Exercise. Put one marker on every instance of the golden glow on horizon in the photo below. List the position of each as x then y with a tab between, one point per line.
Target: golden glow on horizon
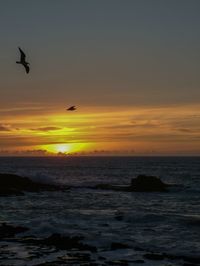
140	130
69	148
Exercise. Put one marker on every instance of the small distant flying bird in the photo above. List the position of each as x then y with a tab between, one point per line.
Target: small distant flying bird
23	61
72	108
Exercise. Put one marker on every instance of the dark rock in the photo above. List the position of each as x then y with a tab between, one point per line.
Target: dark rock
187	259
119	217
10	231
138	261
101	258
11	184
142	183
145	183
189	264
195	260
118	262
152	256
61	242
116	245
139	249
54	263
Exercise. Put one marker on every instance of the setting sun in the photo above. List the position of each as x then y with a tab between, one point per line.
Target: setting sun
68	148
62	148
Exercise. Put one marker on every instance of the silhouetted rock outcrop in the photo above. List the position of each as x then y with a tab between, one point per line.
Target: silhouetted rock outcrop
10	231
118	245
147	184
152	256
62	242
11	184
142	183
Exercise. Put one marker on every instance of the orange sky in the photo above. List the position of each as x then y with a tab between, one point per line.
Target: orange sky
143	130
131	67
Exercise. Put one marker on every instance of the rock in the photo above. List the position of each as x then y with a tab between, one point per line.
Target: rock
61	242
11	184
139	249
142	183
116	245
145	183
10	231
189	264
118	262
119	217
195	260
101	258
152	256
188	259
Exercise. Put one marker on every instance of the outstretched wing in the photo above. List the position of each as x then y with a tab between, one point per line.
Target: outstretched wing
72	108
23	56
27	68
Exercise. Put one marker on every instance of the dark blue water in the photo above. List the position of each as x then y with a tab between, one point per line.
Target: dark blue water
163	222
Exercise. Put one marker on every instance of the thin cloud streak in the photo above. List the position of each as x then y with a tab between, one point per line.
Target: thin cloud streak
139	129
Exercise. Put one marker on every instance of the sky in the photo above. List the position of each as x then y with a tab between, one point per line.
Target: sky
131	67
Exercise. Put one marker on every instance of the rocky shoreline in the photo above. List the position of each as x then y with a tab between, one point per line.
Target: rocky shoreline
76	252
73	249
141	183
11	184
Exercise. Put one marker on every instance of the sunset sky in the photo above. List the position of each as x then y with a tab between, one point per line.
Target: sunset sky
131	67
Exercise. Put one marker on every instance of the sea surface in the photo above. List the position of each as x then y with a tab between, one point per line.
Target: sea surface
156	222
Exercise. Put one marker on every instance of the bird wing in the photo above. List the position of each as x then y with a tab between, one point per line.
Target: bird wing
27	68
71	108
23	56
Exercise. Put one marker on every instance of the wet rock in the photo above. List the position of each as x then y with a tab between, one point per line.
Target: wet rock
139	249
116	245
10	231
142	183
189	264
54	263
71	259
118	262
195	260
61	242
119	217
152	256
138	261
187	259
101	258
11	184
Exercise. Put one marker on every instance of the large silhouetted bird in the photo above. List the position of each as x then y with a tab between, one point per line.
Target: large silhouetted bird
23	60
72	108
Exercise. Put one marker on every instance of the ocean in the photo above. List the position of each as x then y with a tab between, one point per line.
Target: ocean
144	222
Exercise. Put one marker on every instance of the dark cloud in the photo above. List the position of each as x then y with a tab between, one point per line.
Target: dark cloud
4	128
23	153
51	128
185	130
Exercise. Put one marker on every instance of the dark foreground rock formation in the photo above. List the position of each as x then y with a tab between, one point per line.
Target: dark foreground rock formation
61	242
148	184
10	231
142	183
76	252
11	184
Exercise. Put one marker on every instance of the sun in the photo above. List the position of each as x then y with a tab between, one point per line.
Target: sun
65	148
58	148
